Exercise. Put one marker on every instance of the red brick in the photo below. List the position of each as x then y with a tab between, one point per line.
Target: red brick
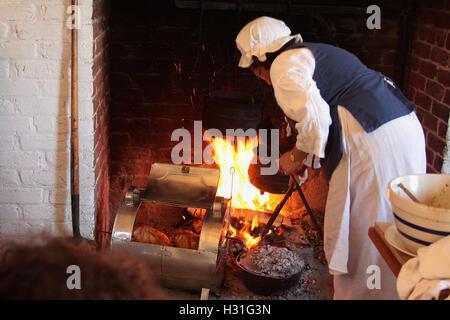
443	128
411	93
441	35
436	144
422	49
162	155
438	161
101	44
415	63
430	122
435	90
438	4
121	80
430	155
431	170
426	17
427	69
390	57
422	31
130	155
448	41
443	77
99	27
441	111
97	9
120	139
128	95
418	81
431	36
423	100
440	56
442	20
377	43
100	61
420	114
447	97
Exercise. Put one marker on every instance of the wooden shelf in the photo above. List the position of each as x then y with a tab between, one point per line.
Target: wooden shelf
394	258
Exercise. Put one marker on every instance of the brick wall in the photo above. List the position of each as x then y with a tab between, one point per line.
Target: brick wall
35	115
429	79
101	112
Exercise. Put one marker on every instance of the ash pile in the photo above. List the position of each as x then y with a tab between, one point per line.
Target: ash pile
292	246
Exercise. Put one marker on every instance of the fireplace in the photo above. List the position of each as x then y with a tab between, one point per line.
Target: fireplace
194	225
163	60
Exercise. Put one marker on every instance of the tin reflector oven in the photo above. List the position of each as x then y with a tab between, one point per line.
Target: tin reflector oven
183	187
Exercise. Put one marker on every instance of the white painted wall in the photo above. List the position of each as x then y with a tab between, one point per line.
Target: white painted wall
35	118
446	165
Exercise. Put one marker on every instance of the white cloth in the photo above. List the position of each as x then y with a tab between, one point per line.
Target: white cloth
425	276
260	36
311	160
357	198
297	95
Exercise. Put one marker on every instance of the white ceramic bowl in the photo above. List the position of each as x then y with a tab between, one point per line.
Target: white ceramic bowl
421	224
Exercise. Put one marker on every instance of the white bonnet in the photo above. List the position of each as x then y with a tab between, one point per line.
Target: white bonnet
262	35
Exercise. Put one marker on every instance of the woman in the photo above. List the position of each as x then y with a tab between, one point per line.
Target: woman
362	128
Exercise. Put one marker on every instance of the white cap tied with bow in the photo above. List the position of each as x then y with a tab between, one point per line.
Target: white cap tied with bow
260	36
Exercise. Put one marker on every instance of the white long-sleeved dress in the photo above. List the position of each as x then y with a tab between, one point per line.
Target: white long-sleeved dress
357	196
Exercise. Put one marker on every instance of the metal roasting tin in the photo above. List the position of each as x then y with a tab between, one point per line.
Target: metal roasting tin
180	186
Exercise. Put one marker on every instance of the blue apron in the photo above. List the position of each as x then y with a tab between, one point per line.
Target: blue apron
372	98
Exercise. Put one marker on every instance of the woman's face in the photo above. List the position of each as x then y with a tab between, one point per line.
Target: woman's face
261	72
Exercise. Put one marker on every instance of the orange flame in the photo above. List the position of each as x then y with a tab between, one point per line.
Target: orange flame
244	195
250	241
239	156
254	223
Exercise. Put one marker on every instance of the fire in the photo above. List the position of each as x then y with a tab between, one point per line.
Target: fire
250	241
245	195
245	235
235	182
254	223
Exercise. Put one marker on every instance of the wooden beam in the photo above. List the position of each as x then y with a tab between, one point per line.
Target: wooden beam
295	9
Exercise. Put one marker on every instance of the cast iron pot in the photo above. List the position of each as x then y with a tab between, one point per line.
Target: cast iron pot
277	183
265	285
231	110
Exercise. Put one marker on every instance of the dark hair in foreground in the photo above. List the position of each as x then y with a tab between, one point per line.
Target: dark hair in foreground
40	272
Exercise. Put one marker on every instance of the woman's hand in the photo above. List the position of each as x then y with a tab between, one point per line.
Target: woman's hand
291	162
299	179
287	166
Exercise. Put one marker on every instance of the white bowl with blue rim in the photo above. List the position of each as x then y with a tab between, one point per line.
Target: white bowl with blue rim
426	221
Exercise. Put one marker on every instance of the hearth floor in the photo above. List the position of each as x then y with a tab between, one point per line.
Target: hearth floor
315	283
